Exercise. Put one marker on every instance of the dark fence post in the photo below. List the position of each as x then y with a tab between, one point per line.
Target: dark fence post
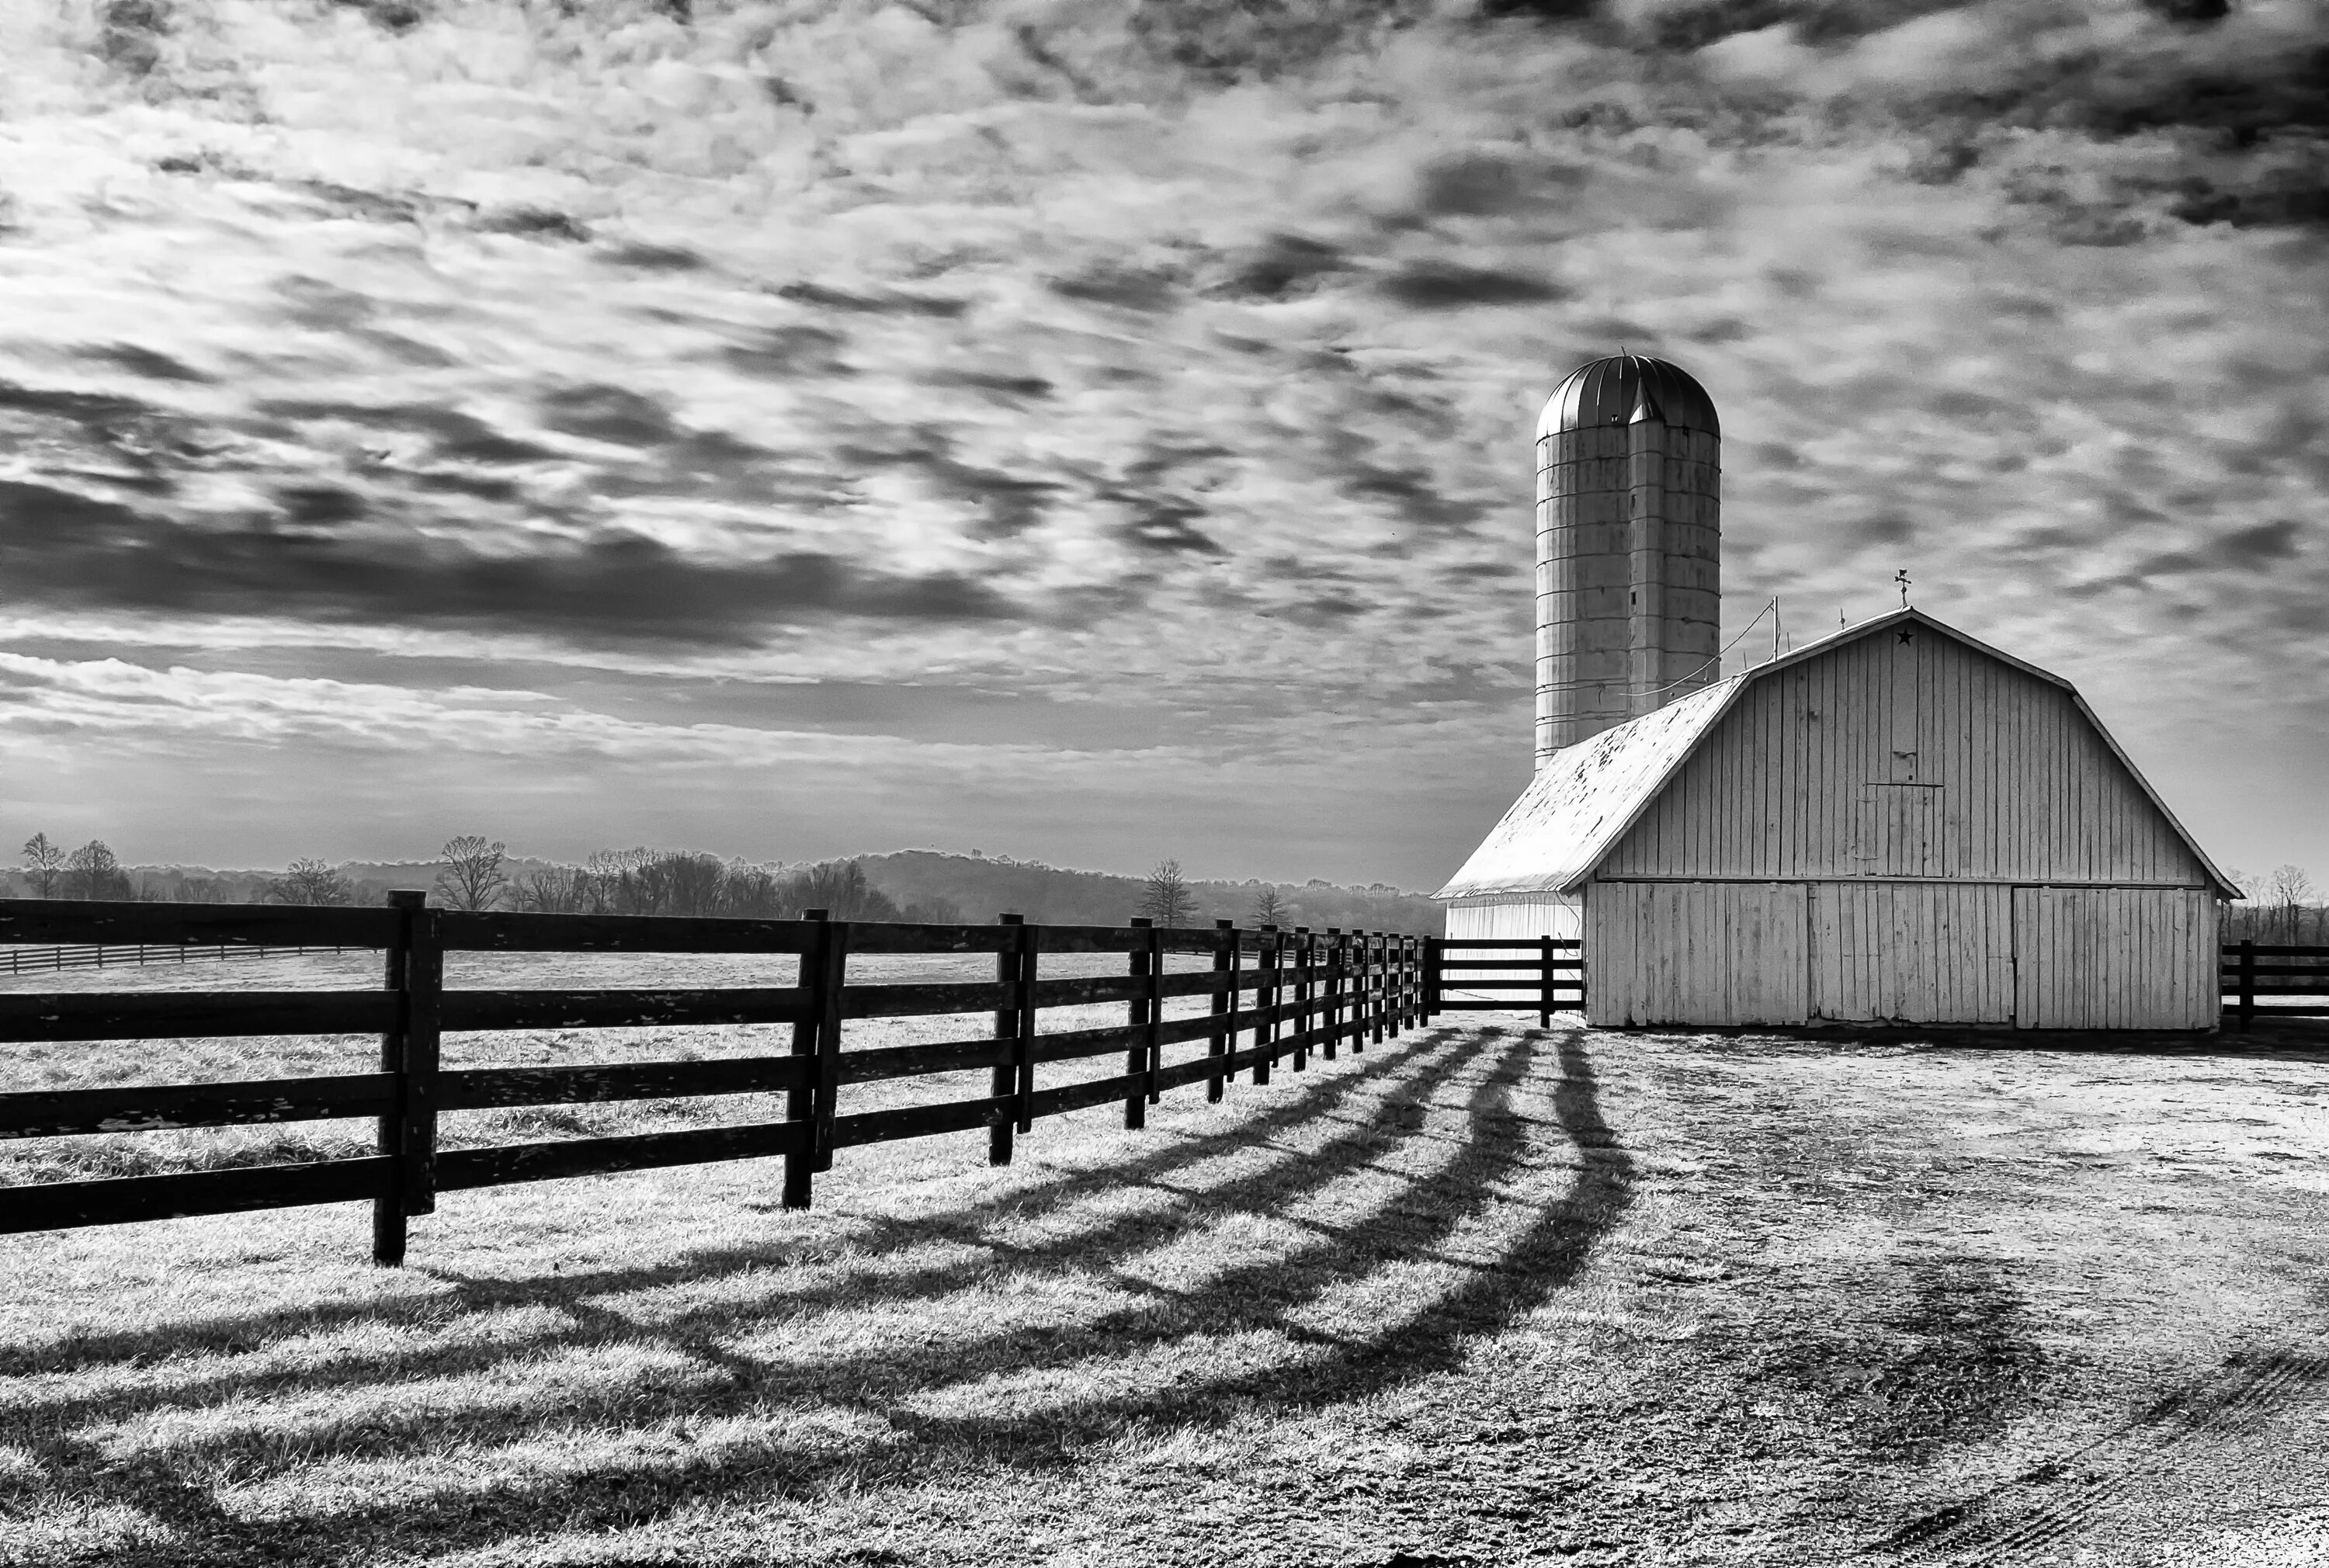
1378	981
1544	982
1332	990
800	1100
1303	947
1010	968
1432	978
425	1004
1354	990
1138	1013
833	975
1393	943
388	1224
1267	956
1023	1049
2248	981
1155	1013
1395	983
1220	1042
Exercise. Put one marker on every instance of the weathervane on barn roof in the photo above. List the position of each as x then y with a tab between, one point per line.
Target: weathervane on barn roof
1900	581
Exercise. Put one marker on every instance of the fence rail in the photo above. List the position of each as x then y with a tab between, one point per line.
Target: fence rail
2286	972
99	955
1288	993
1285	994
1548	970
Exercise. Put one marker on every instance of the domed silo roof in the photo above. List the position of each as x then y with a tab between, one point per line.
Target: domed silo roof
1612	391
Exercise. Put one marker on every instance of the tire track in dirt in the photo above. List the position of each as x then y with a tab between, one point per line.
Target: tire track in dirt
2161	1451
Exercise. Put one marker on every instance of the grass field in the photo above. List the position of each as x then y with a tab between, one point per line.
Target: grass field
1485	1294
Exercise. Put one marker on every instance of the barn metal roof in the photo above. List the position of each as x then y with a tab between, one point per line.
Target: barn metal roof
1582	801
1624	388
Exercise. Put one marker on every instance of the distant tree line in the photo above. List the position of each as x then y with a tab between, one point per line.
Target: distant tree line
2279	909
472	872
989	884
93	871
643	881
90	871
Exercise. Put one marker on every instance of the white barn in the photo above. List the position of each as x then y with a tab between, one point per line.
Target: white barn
1895	823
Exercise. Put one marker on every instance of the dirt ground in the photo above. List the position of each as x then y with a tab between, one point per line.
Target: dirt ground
1486	1294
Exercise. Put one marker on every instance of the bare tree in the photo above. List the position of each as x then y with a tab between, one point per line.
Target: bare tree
309	882
1268	908
610	875
559	890
752	890
43	863
684	882
471	875
840	886
91	871
1165	899
2284	893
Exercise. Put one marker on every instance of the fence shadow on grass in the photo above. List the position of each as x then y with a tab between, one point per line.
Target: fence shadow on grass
1258	1328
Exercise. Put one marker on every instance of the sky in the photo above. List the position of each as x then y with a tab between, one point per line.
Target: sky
1098	431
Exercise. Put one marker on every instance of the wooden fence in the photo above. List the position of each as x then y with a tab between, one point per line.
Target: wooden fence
1548	971
2283	971
1285	992
1291	993
98	955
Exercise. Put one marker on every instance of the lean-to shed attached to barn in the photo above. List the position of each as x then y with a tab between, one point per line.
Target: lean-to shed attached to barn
1896	822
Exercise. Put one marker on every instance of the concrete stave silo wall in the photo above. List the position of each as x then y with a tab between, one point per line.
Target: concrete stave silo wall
1628	573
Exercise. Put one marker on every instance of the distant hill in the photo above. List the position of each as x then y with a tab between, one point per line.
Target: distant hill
924	883
369	880
982	887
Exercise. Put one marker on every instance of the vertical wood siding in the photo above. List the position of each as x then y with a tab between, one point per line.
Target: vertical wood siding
1520	916
2115	958
1705	952
1887	759
1516	916
1921	952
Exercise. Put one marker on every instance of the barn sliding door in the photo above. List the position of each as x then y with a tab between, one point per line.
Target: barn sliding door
1913	953
1694	952
2114	958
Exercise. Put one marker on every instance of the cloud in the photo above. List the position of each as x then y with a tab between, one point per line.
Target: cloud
1450	286
1286	266
1119	355
892	302
147	363
534	223
452	435
73	551
607	413
649	257
783	352
1127	288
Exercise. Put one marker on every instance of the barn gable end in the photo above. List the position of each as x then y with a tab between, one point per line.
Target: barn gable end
1904	750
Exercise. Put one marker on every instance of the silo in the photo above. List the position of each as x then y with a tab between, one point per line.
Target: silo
1627	579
